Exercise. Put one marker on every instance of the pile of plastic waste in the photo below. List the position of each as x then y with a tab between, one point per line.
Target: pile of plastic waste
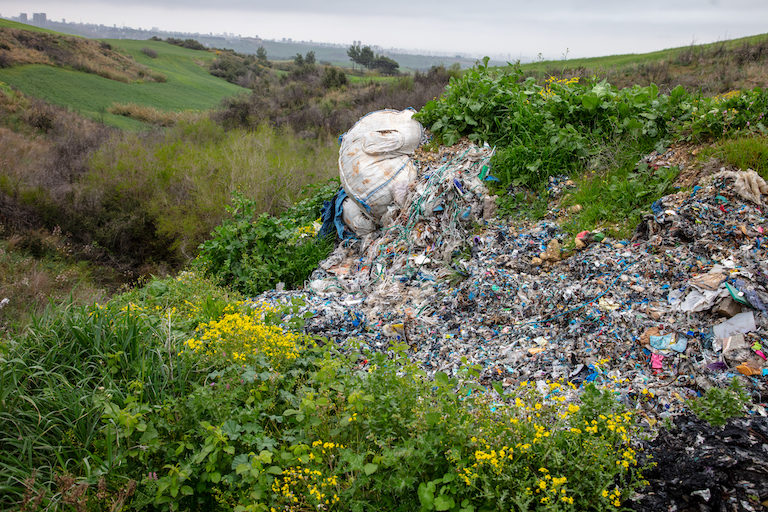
660	318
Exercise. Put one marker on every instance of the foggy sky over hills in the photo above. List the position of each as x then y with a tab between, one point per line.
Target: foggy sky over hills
514	29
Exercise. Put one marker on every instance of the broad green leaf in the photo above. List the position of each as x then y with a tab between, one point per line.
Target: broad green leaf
443	502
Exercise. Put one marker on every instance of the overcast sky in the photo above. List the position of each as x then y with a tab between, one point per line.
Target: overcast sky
509	28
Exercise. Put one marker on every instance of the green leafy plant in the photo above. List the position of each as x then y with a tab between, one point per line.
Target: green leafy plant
718	405
568	125
253	253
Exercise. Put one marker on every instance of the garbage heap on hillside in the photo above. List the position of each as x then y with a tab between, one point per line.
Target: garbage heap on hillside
659	318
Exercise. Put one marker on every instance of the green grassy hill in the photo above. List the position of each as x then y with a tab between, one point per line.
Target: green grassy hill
21	26
709	68
631	59
189	86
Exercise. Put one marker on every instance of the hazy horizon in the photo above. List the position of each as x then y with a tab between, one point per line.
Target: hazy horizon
578	28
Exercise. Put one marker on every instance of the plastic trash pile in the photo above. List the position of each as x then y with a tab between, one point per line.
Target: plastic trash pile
660	318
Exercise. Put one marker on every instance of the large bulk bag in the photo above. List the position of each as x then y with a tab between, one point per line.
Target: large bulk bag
375	160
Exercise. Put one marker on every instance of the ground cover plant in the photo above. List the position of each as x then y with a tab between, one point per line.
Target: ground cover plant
180	395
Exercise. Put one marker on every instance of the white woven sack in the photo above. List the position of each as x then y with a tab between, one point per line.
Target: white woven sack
375	160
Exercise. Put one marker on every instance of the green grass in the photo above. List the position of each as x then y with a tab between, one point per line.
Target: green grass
21	26
629	59
747	152
357	79
189	86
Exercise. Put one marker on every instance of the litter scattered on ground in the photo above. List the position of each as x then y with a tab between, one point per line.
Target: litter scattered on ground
660	318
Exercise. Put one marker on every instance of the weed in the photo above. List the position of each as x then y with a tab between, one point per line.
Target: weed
620	199
718	405
745	152
253	253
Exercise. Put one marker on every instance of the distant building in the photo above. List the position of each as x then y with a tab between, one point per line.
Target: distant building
39	18
23	17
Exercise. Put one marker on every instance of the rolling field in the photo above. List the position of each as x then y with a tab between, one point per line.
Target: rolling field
631	59
189	86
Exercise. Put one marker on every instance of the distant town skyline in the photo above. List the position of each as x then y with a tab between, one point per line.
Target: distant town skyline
509	29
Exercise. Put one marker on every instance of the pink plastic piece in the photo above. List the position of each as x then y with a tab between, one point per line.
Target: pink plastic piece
656	361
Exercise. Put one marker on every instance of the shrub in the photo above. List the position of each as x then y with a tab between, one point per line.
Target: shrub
253	253
162	196
149	52
334	78
186	43
566	125
719	405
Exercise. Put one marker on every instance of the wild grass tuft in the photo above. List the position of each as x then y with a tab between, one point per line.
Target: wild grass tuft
746	152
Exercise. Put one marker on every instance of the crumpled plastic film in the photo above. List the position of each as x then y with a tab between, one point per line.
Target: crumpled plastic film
638	316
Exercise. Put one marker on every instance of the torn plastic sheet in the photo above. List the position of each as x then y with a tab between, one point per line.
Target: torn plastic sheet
738	324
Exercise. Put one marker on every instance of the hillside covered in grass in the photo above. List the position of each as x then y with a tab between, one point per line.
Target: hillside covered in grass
710	68
91	76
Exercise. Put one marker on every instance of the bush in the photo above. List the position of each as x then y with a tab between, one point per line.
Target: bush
160	197
253	253
149	52
719	405
286	421
186	43
334	78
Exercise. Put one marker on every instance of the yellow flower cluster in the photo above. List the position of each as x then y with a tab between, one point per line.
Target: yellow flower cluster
488	457
726	96
547	91
240	334
307	231
538	417
301	488
326	445
552	489
614	497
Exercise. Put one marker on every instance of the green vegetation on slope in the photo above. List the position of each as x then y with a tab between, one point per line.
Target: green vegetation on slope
630	59
569	126
22	26
710	68
189	85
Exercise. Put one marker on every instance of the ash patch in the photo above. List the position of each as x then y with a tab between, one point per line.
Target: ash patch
704	468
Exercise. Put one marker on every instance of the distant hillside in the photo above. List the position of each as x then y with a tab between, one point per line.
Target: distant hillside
277	50
19	45
710	68
188	85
